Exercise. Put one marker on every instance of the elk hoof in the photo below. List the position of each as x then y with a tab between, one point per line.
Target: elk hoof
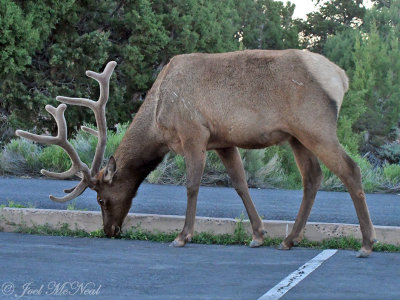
255	244
283	246
363	253
176	243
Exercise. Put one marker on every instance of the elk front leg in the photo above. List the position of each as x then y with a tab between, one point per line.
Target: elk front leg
195	157
311	173
232	161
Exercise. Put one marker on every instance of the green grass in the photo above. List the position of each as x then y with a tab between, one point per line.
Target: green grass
240	237
64	230
72	206
13	204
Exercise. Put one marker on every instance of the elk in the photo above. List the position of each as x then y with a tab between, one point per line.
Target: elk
199	102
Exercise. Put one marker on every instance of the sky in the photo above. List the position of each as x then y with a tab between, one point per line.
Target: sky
303	7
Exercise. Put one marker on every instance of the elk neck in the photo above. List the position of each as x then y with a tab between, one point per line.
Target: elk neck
142	147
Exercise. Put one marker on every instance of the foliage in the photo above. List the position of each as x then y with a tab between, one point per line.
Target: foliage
48	45
392	174
55	159
17	46
333	17
370	55
267	24
390	153
372	177
13	204
376	73
72	206
21	156
273	167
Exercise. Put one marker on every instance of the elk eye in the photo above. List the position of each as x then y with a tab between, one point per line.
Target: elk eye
100	201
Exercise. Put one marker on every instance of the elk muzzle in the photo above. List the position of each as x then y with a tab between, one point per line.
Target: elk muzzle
112	231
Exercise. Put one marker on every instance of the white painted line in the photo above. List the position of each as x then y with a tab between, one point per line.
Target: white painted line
294	278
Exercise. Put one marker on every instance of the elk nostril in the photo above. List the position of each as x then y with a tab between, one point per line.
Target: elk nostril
112	231
108	233
118	230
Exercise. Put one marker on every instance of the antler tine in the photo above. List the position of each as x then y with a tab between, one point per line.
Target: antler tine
36	138
59	140
67	174
90	130
103	79
45	139
79	189
98	107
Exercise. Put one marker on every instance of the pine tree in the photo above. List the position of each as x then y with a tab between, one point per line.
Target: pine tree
332	17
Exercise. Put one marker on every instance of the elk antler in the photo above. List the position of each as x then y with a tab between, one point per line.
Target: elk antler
98	107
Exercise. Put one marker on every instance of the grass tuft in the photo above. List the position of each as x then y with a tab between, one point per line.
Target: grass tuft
13	204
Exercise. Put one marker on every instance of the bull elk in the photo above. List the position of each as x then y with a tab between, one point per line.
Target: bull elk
199	102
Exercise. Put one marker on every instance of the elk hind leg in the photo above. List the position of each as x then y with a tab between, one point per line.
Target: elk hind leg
230	157
311	174
336	159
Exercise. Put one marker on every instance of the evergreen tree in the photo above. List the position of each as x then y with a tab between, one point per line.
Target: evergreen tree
377	67
341	49
267	24
371	108
332	17
48	45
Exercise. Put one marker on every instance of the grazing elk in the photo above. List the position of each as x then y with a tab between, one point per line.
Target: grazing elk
248	99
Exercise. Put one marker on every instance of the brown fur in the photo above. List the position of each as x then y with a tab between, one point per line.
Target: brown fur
248	99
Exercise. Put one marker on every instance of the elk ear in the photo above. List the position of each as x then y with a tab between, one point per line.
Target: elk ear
110	170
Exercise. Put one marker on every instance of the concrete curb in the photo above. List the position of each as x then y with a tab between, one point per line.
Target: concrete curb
13	218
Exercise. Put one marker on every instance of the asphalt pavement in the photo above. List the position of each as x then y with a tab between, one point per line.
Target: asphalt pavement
272	204
66	267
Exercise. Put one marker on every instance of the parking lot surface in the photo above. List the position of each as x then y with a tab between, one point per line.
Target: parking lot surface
61	267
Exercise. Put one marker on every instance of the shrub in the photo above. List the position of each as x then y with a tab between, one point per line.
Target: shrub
170	171
85	143
273	174
330	182
347	136
253	165
392	174
54	159
271	167
20	157
214	171
280	168
114	138
390	153
371	177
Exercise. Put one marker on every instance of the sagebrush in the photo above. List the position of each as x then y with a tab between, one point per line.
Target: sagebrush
272	167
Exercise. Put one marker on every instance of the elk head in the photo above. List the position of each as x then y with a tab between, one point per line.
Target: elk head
113	200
